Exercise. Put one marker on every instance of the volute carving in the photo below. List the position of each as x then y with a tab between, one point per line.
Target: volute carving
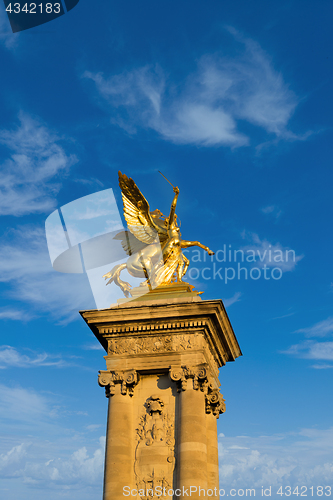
199	374
127	379
215	403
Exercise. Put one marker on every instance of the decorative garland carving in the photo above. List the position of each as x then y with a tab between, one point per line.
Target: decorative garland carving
155	436
127	379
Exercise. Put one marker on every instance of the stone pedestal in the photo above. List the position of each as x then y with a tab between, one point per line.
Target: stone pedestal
162	362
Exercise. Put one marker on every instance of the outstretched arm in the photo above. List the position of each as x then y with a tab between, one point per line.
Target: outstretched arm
173	206
186	244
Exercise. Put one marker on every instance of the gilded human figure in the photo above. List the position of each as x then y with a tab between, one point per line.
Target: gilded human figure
153	242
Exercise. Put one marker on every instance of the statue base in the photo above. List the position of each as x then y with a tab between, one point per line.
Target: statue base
161	292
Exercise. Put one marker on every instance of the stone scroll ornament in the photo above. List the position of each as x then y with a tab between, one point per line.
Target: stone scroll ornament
155	437
141	245
109	379
24	15
214	401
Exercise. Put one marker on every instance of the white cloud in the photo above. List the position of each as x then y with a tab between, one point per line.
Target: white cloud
301	458
38	453
271	255
36	159
76	471
25	265
208	106
10	357
13	459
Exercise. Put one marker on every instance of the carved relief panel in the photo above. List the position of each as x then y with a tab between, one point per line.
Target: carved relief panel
155	450
154	344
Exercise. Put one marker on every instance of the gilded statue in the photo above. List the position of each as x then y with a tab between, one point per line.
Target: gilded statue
153	242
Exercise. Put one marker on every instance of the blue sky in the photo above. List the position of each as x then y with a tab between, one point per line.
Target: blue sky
232	102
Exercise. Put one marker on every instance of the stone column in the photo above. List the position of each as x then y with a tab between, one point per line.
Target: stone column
192	444
212	456
192	430
119	453
214	406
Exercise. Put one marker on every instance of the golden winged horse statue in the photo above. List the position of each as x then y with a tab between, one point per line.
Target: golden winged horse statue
153	242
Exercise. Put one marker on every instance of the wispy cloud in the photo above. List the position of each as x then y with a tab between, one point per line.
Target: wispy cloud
311	349
273	211
321	329
93	427
22	404
209	105
235	298
10	358
283	316
7	37
262	252
15	314
314	349
30	176
93	347
25	265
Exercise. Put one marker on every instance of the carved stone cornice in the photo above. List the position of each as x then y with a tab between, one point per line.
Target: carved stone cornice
152	327
171	318
200	375
215	403
128	379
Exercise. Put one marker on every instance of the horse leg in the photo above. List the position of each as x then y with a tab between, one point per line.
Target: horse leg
140	266
114	276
